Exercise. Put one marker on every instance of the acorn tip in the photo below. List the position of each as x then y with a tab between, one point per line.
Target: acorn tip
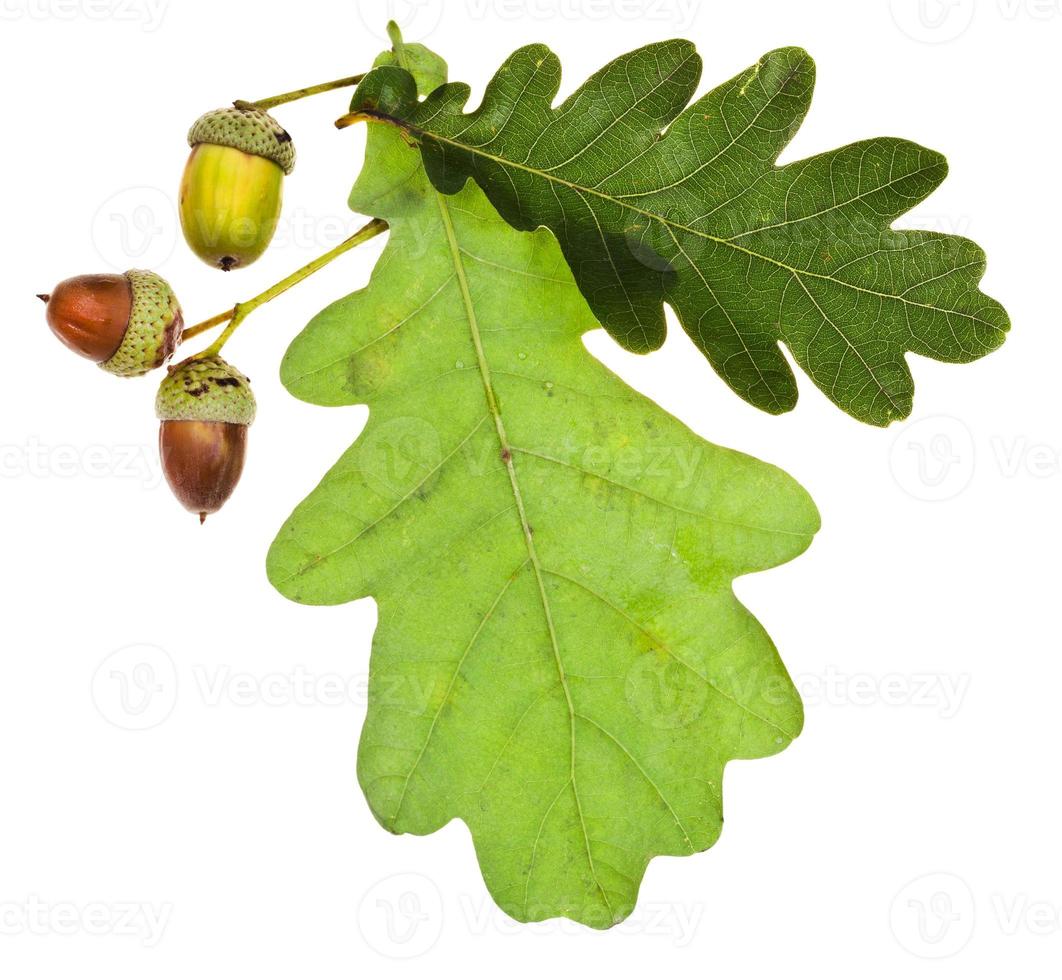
202	518
43	297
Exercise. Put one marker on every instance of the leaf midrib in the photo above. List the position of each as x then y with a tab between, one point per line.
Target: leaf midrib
579	188
794	273
506	453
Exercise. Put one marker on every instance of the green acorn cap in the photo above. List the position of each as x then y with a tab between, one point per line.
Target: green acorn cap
205	389
252	130
155	327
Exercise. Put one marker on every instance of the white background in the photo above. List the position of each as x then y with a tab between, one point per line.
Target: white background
228	836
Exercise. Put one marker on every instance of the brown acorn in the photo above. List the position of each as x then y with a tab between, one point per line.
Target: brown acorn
128	324
205	406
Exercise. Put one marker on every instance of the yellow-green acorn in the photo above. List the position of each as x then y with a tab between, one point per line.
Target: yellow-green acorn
232	188
128	324
205	406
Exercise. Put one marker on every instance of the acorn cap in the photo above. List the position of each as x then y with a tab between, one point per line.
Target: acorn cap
154	330
248	129
205	389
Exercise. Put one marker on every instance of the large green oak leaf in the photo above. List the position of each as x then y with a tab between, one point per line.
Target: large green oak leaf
560	660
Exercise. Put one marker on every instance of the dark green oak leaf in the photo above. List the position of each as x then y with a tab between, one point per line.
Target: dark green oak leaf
655	200
560	661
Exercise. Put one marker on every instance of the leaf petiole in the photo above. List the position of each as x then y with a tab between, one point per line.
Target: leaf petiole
241	311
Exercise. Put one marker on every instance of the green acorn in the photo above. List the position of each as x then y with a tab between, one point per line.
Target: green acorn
205	406
128	324
232	188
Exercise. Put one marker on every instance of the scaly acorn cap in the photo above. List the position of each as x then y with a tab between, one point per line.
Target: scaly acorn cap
205	389
248	129
155	327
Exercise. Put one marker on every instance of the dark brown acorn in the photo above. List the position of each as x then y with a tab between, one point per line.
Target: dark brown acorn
128	324
205	406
